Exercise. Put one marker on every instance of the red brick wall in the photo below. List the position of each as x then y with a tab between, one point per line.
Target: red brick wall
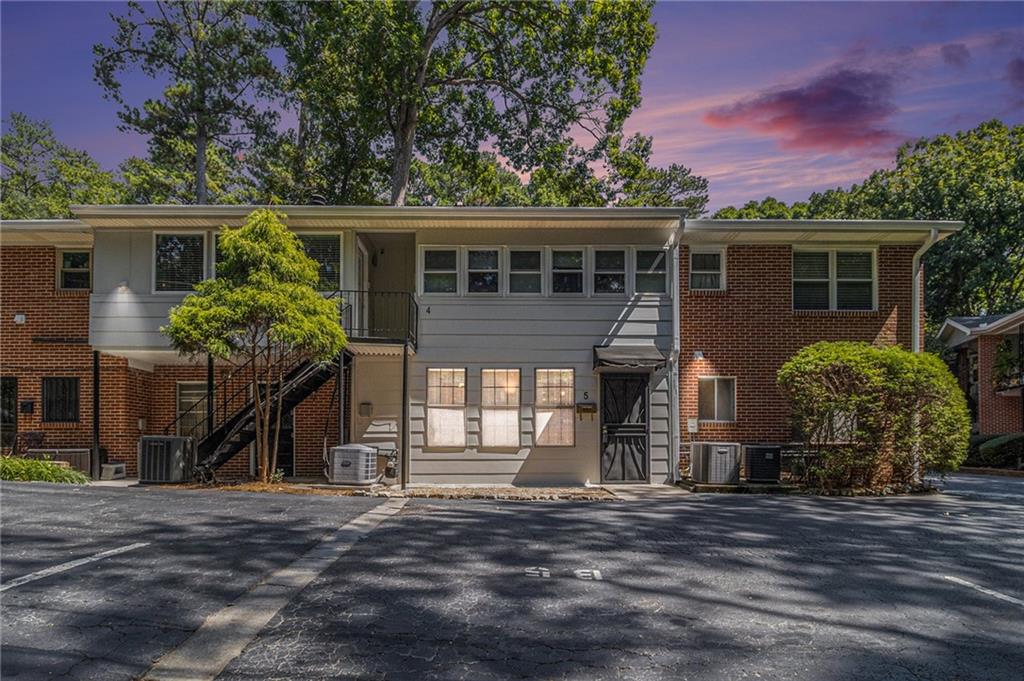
750	330
997	414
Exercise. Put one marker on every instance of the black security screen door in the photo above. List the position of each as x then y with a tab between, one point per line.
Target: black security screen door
624	417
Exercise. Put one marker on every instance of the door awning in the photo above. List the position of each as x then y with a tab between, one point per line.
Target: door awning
629	357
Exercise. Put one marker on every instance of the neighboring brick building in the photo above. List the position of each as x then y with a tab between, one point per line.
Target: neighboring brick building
518	335
988	367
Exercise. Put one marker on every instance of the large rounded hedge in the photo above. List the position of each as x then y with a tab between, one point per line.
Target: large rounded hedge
869	414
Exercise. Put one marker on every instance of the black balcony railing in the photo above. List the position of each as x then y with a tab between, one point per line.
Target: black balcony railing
380	316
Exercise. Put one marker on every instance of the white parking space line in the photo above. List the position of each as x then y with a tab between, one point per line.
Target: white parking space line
989	592
64	567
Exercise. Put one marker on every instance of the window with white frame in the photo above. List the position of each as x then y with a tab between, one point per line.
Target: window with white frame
446	407
178	261
833	280
499	403
716	398
440	270
482	272
75	270
525	272
609	271
651	271
555	418
707	272
567	271
326	250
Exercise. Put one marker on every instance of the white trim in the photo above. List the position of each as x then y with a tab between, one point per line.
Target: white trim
585	292
463	261
152	258
721	252
635	253
735	406
627	257
507	283
421	270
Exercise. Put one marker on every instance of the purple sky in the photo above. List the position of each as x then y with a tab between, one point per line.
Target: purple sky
780	99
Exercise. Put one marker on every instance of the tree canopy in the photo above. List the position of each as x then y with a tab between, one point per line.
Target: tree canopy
262	310
43	177
976	176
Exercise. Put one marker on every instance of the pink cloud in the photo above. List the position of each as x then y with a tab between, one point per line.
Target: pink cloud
839	110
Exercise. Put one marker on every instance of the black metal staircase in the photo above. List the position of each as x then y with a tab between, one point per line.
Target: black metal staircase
228	425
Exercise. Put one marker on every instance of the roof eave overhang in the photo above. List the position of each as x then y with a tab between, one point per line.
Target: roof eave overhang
1007	323
891	232
382	217
59	233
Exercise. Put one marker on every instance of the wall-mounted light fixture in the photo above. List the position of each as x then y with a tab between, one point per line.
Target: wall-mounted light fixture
122	286
698	354
19	318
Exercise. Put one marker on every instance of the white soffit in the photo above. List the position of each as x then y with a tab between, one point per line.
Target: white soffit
58	233
896	232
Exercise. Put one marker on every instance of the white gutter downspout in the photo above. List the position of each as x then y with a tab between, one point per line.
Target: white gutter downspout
915	303
915	325
673	371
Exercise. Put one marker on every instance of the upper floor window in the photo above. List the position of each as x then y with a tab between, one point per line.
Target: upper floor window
482	271
326	250
60	400
75	270
440	270
525	272
833	280
706	271
610	271
567	271
651	271
446	407
179	261
499	407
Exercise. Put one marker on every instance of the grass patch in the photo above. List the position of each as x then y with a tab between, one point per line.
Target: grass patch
38	470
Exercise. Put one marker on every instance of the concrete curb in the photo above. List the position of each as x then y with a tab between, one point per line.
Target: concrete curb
224	634
997	472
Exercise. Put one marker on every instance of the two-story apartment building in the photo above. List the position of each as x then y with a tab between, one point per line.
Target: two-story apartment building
488	345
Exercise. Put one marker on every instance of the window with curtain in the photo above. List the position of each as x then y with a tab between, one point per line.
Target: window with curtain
75	270
610	272
555	407
716	399
651	271
440	270
60	400
499	402
179	261
446	407
482	272
326	250
567	271
706	271
525	273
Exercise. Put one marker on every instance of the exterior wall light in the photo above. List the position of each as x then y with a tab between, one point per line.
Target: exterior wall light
698	354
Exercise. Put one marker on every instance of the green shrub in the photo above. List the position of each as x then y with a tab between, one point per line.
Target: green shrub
870	413
16	468
1001	451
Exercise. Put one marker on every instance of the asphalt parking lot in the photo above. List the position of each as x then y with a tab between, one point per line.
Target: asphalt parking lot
702	587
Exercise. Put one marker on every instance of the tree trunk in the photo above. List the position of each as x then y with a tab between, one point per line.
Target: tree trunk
277	417
403	154
261	467
201	166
